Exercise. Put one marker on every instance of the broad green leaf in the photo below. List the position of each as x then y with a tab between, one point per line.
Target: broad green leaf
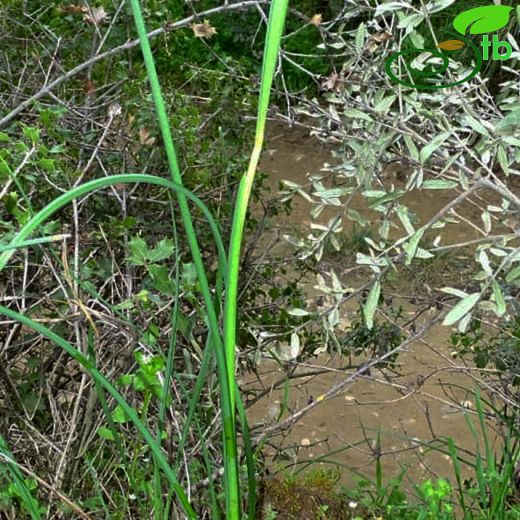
461	309
371	305
119	416
481	20
161	279
138	251
105	433
163	250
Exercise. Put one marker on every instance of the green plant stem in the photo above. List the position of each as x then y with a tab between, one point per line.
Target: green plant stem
231	479
274	33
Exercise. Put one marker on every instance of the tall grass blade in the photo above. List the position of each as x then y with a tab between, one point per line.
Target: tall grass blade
231	477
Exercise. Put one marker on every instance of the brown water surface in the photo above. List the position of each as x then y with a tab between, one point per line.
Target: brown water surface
409	410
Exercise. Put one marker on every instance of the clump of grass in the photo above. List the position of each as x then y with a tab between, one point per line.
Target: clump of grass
220	343
314	496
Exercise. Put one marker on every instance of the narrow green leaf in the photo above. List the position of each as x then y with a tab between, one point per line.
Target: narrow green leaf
411	246
360	37
430	148
439	184
356	114
499	299
461	309
371	304
513	274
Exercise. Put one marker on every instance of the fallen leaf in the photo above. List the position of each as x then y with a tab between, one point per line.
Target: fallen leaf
382	37
316	20
144	136
90	87
451	45
72	9
203	30
97	16
334	82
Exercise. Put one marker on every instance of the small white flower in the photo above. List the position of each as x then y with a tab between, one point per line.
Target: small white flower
352	504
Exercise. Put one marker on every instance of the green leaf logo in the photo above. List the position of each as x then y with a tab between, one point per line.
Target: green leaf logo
482	20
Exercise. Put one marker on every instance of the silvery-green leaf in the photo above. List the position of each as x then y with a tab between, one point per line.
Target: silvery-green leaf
430	148
438	5
422	253
454	292
484	262
509	124
513	274
461	309
356	114
333	318
390	6
371	304
502	160
298	312
410	247
464	322
476	125
383	106
414	153
295	346
354	215
402	213
499	299
486	218
360	37
410	22
439	184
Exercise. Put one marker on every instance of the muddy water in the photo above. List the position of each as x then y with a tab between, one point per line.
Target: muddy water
416	407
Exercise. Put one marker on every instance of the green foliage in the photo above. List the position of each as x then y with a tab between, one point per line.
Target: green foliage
374	341
501	350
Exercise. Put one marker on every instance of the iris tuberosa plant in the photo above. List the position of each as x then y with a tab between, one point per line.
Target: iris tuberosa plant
221	342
